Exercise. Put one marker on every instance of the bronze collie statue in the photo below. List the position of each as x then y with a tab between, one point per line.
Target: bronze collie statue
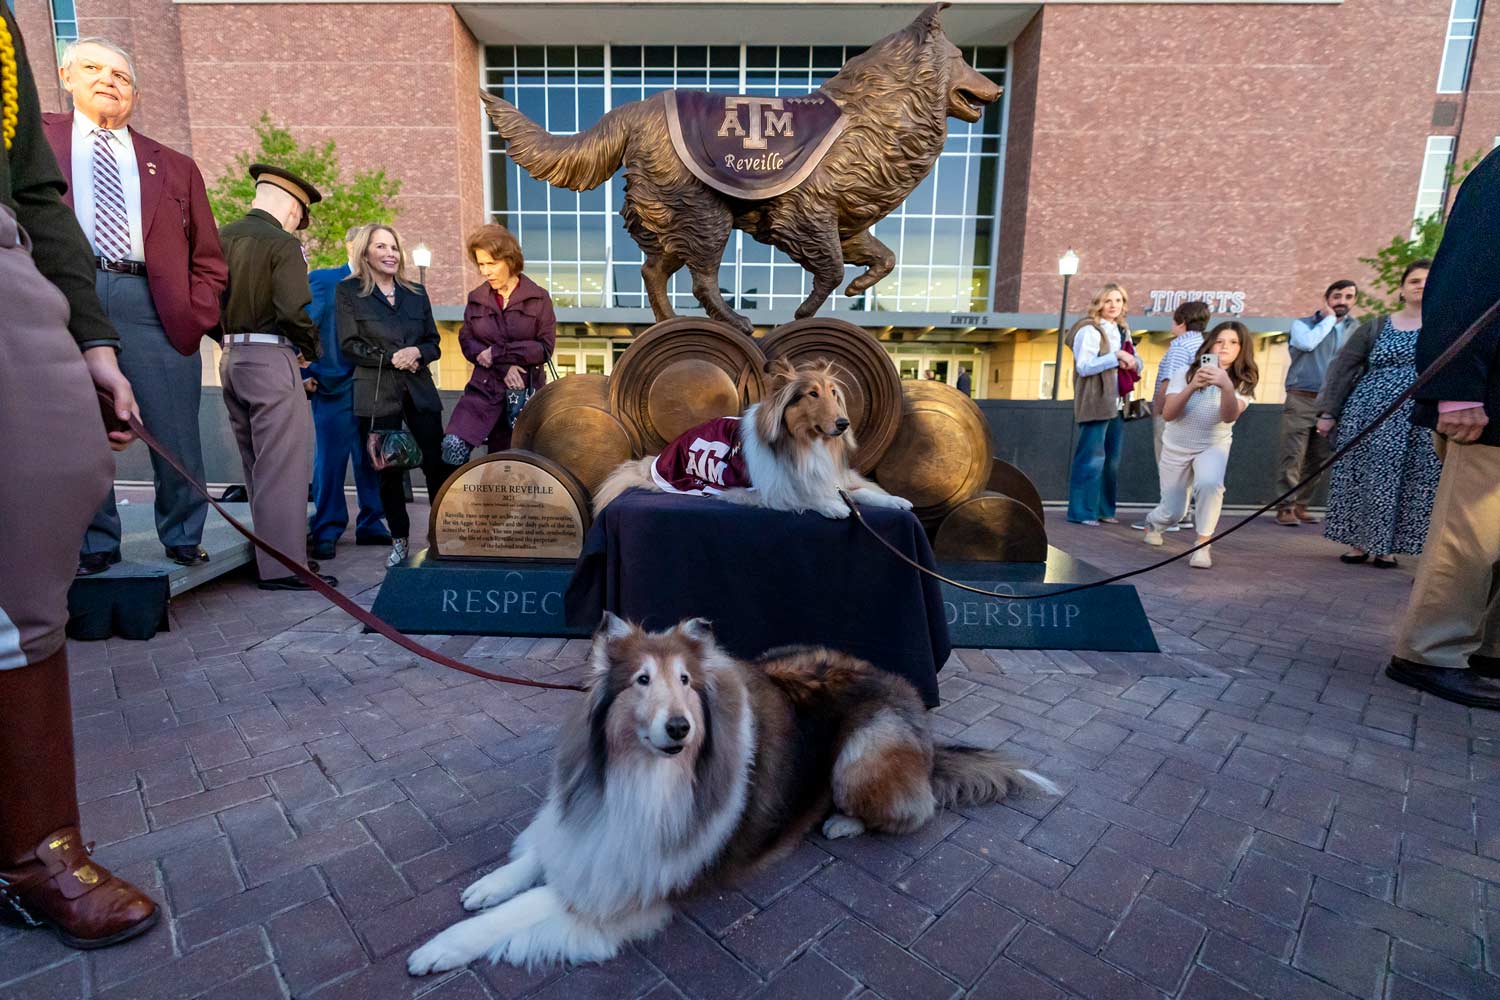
892	105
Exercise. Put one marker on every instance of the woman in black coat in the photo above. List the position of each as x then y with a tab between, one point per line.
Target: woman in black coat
508	333
385	325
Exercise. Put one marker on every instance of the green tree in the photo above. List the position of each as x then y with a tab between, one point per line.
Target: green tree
1390	260
367	197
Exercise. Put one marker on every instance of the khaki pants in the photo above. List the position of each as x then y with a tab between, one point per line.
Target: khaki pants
272	424
1302	450
1455	602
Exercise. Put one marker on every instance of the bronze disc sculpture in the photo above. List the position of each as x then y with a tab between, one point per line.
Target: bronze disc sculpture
681	373
991	528
941	454
1012	482
569	422
809	175
872	384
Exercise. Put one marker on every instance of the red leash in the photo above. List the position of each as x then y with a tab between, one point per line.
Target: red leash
316	582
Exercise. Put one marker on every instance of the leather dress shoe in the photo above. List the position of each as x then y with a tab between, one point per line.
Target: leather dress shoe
1466	687
187	555
293	583
321	550
93	563
380	540
1485	666
1306	516
1287	518
60	886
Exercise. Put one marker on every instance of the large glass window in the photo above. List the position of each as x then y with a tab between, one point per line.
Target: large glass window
1458	49
577	245
1432	187
64	25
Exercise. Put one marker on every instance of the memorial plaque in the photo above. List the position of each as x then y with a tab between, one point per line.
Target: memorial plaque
511	505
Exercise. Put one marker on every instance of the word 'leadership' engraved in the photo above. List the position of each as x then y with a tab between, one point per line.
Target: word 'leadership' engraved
762	112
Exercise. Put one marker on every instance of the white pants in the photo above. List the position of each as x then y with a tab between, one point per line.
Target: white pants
1200	471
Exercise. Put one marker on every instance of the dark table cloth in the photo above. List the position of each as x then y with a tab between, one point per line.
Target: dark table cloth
765	579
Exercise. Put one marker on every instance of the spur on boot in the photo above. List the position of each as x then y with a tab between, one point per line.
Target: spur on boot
61	887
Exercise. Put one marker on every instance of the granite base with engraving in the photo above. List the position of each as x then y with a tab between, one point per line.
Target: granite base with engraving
462	597
1106	619
426	595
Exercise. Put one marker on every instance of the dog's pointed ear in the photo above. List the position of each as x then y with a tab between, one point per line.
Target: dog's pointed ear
612	626
781	369
697	628
929	21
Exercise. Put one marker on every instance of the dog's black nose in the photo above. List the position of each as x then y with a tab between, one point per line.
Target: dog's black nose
842	423
678	727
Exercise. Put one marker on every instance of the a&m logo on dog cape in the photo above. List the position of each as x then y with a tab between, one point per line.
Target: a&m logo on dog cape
751	147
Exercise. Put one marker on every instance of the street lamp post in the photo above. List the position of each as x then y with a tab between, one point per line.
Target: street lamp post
422	257
1067	266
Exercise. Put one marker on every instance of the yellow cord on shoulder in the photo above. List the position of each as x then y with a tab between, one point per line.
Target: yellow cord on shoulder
10	77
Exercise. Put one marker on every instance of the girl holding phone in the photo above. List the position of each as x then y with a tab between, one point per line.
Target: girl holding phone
1201	406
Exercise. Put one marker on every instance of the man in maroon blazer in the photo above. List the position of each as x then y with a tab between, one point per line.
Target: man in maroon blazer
159	273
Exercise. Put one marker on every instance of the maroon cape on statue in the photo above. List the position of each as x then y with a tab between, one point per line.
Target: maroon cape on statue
751	147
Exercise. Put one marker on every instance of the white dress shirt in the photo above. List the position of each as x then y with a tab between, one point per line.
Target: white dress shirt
83	181
1094	353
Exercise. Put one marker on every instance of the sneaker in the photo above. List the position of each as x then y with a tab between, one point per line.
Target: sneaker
1201	559
1305	516
400	549
1178	526
1109	520
1287	518
1090	523
1140	526
1153	535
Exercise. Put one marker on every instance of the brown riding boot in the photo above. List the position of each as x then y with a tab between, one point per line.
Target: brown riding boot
46	875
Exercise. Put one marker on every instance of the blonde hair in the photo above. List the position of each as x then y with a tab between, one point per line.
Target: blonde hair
1096	307
361	261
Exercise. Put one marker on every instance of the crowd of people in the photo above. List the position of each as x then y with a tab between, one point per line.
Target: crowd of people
114	272
1342	376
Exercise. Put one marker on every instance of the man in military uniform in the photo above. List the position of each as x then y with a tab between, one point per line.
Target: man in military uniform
267	336
56	346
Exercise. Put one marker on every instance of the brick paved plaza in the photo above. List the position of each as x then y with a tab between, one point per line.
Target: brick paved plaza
1254	812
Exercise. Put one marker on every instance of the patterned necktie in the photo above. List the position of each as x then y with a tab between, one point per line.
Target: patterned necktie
111	223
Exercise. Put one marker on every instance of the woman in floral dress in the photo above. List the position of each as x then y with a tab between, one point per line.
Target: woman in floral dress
1380	496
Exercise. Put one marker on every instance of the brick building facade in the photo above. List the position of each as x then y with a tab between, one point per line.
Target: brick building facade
1260	148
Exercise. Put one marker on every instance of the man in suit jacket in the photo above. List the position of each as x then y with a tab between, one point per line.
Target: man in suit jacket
339	437
159	273
1450	641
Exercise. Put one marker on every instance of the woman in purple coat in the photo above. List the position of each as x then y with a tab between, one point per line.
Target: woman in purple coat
508	333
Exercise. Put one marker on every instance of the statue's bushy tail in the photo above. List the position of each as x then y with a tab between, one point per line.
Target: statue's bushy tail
578	162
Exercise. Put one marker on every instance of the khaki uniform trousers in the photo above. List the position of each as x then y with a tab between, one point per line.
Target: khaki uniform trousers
273	426
1455	602
58	467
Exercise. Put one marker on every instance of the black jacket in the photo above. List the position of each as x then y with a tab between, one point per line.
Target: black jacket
370	331
1463	283
32	185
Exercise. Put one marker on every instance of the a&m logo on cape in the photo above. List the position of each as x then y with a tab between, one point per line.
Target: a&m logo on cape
751	147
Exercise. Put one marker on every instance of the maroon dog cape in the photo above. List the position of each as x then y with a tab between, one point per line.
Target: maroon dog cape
751	147
704	460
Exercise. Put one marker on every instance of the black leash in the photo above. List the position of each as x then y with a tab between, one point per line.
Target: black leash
1443	360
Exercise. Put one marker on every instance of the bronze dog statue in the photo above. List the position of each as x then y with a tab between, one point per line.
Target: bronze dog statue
895	98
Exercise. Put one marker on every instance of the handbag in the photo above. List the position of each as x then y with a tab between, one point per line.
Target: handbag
516	399
1136	407
390	449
